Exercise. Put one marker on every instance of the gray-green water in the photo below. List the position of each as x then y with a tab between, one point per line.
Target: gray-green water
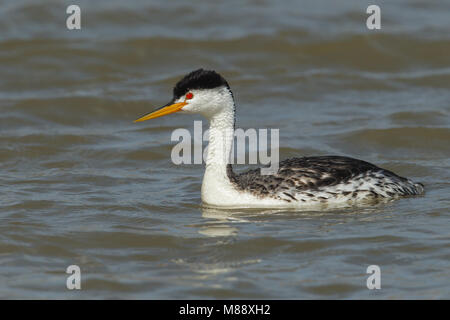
81	184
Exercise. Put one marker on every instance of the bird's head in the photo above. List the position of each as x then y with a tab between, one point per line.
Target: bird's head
202	91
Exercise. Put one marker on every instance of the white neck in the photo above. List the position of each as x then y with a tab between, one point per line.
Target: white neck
221	131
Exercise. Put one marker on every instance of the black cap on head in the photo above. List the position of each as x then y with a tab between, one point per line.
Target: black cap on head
199	79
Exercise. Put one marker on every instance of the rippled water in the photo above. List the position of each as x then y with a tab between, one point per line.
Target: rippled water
81	184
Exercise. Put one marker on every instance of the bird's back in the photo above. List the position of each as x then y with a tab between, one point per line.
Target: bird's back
325	178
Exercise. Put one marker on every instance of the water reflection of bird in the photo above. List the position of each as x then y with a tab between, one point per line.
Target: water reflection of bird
299	182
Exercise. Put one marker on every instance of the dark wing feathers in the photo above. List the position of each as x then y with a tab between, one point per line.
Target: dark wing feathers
306	173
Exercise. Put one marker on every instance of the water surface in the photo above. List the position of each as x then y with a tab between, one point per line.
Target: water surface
81	184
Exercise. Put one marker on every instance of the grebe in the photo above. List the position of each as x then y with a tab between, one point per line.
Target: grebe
299	182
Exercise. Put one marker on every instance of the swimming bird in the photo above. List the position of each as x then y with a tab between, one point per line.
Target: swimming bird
299	182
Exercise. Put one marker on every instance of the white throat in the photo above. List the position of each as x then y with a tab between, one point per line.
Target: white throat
216	183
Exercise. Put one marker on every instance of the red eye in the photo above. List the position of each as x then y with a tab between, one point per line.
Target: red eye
189	95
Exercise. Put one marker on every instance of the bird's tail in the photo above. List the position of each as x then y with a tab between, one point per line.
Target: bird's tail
419	188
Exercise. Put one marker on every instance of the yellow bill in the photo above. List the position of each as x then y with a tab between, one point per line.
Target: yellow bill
172	108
